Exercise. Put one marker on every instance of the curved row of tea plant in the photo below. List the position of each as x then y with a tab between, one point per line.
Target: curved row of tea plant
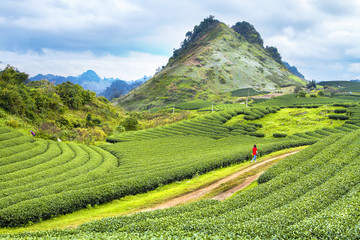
211	125
35	173
291	100
312	194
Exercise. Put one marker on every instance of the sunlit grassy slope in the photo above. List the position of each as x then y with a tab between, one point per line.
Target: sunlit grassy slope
297	120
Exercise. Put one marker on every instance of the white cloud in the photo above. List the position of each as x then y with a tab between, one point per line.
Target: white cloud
354	67
70	15
131	67
310	34
353	52
337	67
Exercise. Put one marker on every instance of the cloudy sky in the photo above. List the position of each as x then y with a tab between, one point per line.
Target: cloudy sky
128	39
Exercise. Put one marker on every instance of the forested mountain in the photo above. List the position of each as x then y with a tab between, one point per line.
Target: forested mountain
214	60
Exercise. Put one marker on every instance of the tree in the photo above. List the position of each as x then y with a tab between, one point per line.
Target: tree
297	89
248	31
130	124
73	95
274	54
311	84
302	94
12	75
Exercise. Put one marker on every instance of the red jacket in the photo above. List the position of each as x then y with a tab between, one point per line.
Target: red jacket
254	150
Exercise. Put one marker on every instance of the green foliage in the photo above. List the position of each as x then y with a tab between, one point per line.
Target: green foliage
340	110
40	102
193	105
73	95
13	76
130	124
15	97
279	135
339	117
311	84
274	54
248	31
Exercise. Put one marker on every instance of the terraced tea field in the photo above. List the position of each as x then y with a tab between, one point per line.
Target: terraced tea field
41	179
311	194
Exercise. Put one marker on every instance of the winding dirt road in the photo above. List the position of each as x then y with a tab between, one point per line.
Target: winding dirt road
201	192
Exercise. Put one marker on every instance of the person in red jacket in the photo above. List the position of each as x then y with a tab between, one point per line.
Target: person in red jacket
254	153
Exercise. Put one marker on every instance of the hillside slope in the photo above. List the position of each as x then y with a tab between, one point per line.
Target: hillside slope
218	60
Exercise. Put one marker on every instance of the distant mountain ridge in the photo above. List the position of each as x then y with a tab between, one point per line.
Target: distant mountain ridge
119	88
294	70
90	80
214	60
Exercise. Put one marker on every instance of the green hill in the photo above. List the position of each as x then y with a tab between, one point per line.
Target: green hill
342	86
213	61
65	111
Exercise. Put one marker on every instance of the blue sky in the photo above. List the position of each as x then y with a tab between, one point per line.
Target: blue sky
128	39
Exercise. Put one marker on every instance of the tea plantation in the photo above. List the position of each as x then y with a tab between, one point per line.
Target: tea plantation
301	197
42	179
311	195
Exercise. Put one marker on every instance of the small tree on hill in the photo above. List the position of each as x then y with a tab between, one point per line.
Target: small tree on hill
302	94
297	89
130	124
311	84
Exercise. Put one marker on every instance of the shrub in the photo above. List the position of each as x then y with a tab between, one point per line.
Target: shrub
340	110
302	94
130	124
339	117
279	135
256	134
258	125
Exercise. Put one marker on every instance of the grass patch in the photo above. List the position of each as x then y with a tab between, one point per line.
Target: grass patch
297	120
297	79
234	120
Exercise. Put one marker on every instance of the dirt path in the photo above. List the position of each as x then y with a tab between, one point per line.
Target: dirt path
201	192
239	187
